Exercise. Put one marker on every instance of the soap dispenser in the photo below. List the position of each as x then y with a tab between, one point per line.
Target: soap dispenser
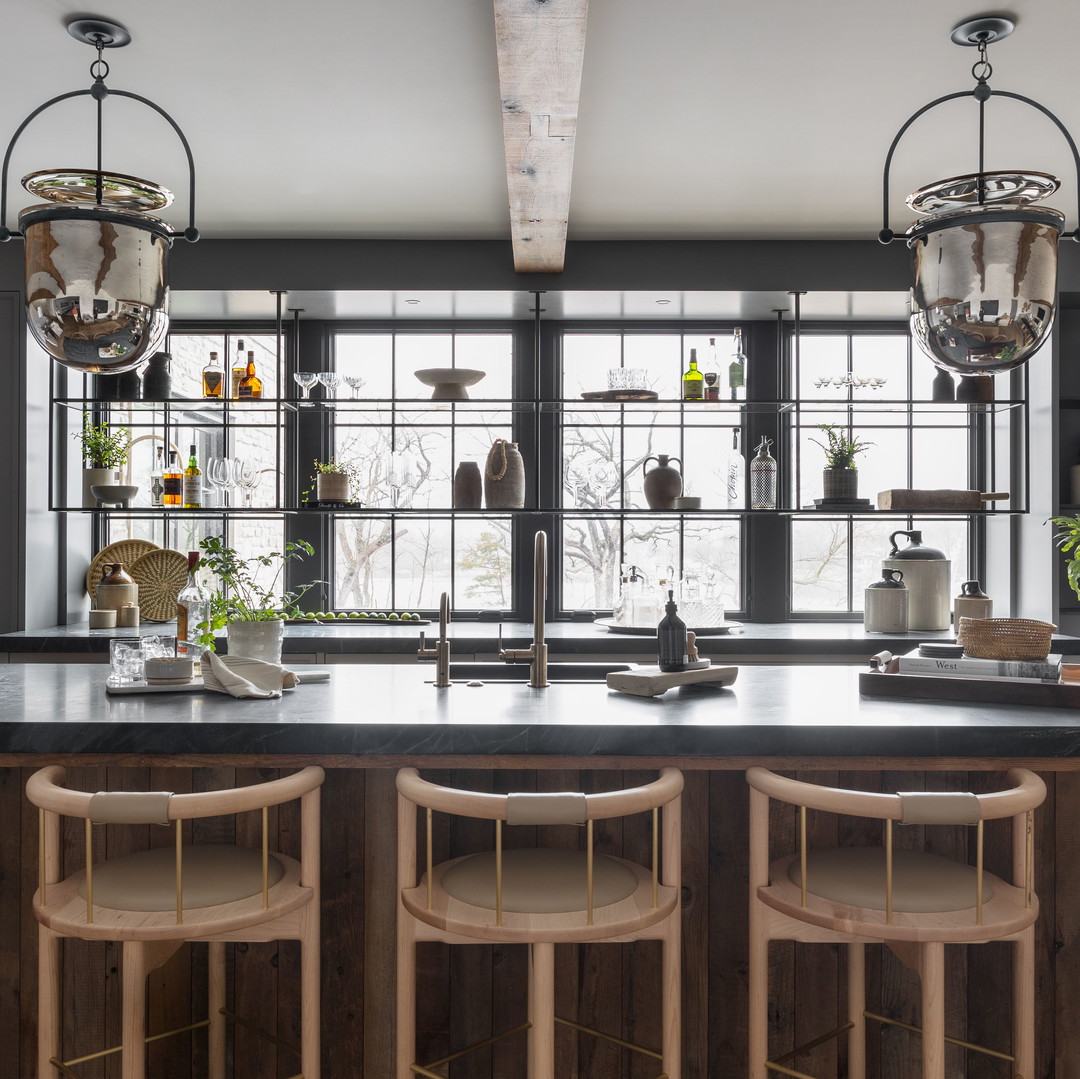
671	648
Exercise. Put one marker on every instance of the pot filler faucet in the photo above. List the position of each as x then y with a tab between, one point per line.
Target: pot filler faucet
441	652
537	652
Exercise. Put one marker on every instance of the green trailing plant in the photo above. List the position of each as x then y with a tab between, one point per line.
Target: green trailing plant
840	450
248	589
1068	540
101	446
336	466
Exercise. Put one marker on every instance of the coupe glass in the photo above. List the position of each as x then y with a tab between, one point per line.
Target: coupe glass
305	380
355	383
330	380
219	476
245	476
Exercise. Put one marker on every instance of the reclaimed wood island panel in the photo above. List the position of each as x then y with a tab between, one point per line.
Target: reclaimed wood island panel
368	721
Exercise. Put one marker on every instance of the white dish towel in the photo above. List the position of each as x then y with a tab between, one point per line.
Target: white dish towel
240	676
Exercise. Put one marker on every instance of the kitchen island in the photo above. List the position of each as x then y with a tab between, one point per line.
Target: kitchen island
368	720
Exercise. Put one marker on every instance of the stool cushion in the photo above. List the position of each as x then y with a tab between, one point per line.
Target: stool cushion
213	873
539	881
922	883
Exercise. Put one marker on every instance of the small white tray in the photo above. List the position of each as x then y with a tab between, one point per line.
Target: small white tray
144	687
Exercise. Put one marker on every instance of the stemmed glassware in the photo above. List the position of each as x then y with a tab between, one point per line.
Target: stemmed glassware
600	477
245	476
305	380
401	477
355	383
219	476
330	380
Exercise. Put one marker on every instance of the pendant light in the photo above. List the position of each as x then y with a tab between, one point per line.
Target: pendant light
97	294
984	255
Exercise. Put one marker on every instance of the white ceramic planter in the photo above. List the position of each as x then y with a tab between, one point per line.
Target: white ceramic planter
96	477
256	640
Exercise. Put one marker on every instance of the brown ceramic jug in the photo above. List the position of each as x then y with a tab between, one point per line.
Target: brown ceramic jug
115	588
663	484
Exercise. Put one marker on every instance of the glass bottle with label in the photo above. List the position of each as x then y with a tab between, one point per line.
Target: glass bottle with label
692	382
736	475
737	368
712	372
763	478
173	482
157	479
192	483
212	377
671	639
191	611
250	386
239	369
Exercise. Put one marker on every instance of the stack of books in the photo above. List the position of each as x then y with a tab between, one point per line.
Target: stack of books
1008	670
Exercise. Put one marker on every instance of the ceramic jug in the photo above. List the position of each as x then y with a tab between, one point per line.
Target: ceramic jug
663	484
885	604
116	588
926	573
972	602
504	477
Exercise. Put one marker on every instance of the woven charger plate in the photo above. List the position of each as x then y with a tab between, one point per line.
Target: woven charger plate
160	575
125	551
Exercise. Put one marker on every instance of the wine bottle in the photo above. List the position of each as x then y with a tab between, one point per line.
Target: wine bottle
157	480
671	639
692	382
763	478
737	368
172	483
192	484
736	475
239	369
250	385
191	611
212	377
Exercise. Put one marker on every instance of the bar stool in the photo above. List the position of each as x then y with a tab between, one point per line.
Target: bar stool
912	901
155	900
539	897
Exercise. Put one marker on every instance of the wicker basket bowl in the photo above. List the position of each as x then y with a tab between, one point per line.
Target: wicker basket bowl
1005	638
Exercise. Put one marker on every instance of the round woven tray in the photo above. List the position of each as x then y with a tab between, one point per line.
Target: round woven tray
160	575
125	551
1005	638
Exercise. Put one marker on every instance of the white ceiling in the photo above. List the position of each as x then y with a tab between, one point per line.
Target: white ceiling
698	120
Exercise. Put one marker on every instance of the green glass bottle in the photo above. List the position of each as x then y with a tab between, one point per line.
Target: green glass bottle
693	382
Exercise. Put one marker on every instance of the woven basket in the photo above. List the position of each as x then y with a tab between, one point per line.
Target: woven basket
1005	638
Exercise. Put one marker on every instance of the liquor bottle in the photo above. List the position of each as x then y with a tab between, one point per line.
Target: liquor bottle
763	477
712	372
157	481
239	369
671	639
736	475
212	377
250	385
192	484
692	382
191	611
173	482
736	375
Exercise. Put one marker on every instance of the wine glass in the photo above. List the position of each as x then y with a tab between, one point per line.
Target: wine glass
401	476
330	380
219	476
355	383
245	477
305	380
600	477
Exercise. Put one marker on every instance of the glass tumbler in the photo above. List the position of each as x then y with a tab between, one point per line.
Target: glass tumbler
125	661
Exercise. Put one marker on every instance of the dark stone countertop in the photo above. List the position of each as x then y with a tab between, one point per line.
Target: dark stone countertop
390	710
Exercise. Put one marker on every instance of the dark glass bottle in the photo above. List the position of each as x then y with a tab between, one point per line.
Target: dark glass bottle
671	639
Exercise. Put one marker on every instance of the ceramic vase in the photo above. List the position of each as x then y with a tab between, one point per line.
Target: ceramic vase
504	477
257	640
663	484
468	486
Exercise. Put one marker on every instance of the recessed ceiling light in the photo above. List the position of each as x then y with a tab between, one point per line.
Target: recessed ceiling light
663	301
412	301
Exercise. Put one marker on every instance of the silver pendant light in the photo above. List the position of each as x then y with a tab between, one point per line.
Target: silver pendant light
984	255
97	295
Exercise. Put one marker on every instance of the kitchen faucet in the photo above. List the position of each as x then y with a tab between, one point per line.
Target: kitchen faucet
537	652
441	652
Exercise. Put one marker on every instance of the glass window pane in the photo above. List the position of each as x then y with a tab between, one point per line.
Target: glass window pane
819	565
369	356
482	578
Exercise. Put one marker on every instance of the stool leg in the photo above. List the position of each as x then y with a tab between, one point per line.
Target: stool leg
48	1001
133	1019
758	971
542	1011
672	996
310	996
406	994
1024	1003
856	1005
932	975
215	1003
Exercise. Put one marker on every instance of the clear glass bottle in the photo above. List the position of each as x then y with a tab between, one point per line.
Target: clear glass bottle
192	483
693	384
250	387
191	611
671	639
157	479
737	368
173	482
763	478
712	372
239	369
736	475
212	377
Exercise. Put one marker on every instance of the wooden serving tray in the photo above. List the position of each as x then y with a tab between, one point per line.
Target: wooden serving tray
984	690
651	681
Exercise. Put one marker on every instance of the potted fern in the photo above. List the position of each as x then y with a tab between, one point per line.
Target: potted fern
840	477
104	453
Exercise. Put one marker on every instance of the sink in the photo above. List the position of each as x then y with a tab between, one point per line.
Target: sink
519	672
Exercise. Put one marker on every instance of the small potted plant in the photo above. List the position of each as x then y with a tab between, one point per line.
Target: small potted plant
247	598
104	453
840	477
334	480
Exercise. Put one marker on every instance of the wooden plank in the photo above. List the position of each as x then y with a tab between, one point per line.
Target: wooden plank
715	998
541	46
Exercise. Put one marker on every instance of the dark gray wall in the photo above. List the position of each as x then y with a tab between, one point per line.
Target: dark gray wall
13	452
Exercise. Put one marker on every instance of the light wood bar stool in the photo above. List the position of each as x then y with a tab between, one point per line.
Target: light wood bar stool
539	897
156	900
912	901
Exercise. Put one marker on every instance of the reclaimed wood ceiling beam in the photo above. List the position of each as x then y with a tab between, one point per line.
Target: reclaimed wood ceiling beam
541	44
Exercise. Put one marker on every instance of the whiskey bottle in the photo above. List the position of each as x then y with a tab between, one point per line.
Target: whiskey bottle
692	382
671	639
737	369
172	483
192	484
157	481
250	385
239	369
212	377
